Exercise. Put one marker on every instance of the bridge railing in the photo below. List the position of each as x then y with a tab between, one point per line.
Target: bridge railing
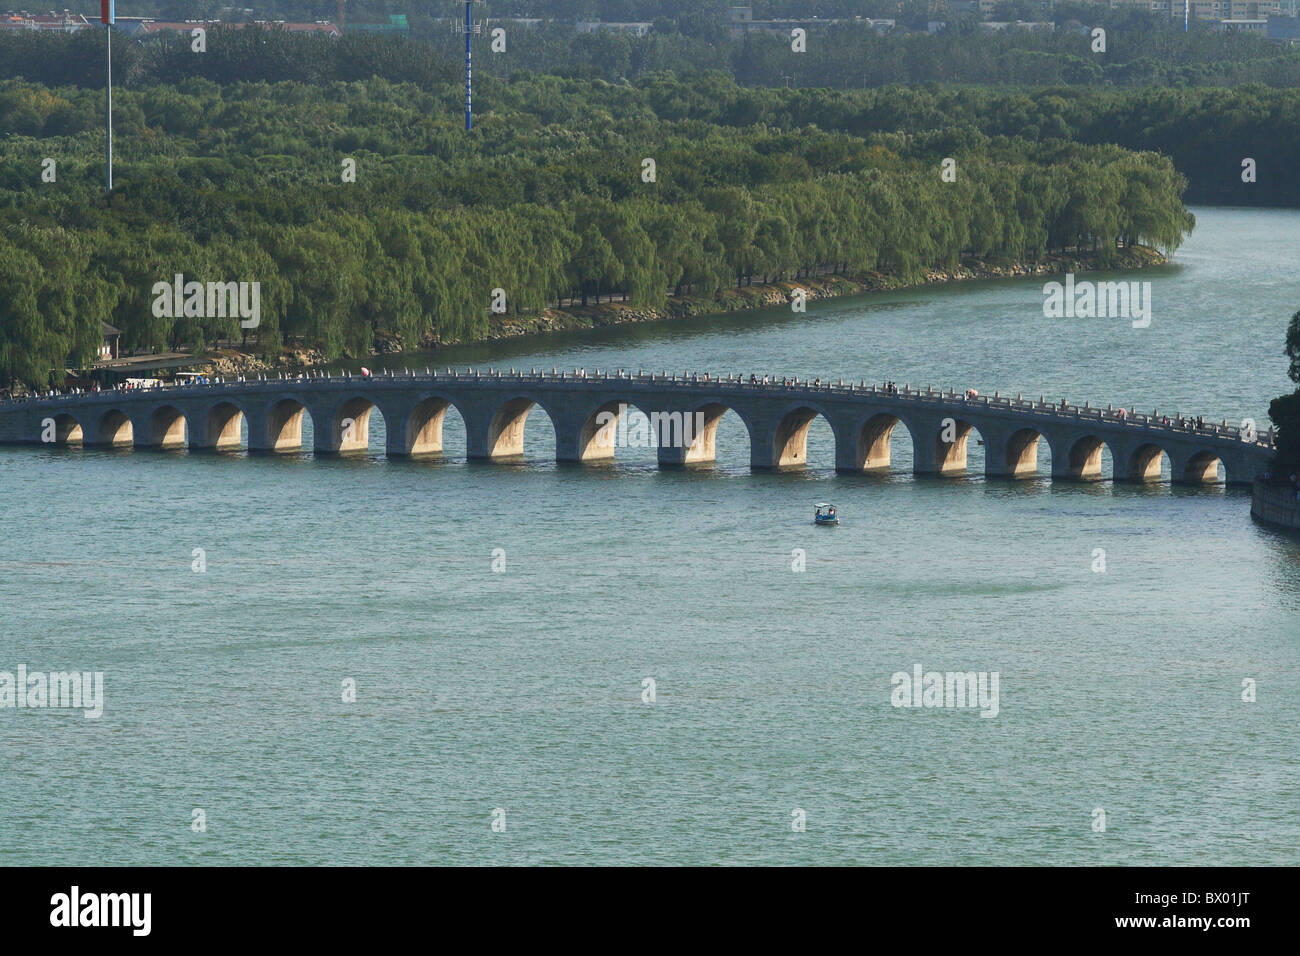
688	380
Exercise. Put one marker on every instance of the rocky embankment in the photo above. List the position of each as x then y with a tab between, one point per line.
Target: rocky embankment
230	363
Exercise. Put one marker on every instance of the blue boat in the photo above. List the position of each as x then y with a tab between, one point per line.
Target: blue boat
826	514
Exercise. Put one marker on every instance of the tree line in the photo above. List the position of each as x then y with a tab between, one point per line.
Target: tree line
1208	131
1141	50
548	199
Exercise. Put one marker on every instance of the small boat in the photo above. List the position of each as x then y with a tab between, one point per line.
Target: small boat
826	514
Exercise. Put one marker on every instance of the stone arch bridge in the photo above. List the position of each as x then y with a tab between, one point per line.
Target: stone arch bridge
585	409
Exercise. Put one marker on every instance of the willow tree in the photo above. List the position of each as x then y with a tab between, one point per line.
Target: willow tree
28	352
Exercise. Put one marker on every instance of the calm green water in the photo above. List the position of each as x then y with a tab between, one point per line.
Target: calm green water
522	690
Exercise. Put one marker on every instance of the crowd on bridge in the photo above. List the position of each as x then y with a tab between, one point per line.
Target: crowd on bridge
129	386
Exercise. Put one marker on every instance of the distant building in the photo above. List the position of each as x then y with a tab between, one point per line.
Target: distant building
1237	9
1208	9
1160	8
457	24
397	25
111	342
740	20
1211	10
131	26
598	26
323	27
1283	30
1032	26
51	22
146	28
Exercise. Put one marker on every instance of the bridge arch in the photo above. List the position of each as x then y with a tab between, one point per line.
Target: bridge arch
347	428
689	436
1201	468
224	426
421	430
166	428
1145	463
951	445
873	448
67	430
115	429
505	429
618	422
1084	460
789	441
282	429
1019	455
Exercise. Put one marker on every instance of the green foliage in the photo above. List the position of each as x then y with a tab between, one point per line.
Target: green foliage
1144	49
1293	347
1285	410
1285	413
545	199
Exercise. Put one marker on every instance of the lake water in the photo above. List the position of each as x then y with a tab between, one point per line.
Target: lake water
521	690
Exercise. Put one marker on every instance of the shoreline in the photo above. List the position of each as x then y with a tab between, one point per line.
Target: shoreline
752	297
233	361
